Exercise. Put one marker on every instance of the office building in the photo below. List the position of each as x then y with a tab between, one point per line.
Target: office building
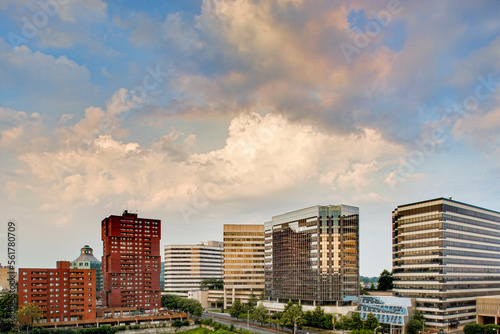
445	254
392	313
131	262
312	255
86	260
7	278
187	265
487	310
243	268
63	294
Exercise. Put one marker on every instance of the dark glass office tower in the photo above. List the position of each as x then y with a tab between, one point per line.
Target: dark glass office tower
312	255
445	254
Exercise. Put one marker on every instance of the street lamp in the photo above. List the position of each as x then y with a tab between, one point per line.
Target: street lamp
375	330
295	323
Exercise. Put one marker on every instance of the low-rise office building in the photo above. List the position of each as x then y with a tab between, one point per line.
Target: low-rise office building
488	310
392	313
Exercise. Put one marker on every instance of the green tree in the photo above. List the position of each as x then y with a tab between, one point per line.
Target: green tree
328	323
198	311
361	331
473	329
29	313
262	295
343	323
372	286
371	322
177	323
356	322
419	316
212	284
362	291
491	329
170	302
385	280
173	302
414	326
236	309
318	317
276	319
308	318
292	314
8	305
260	314
252	301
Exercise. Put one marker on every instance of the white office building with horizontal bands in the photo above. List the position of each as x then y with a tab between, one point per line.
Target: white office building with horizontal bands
187	265
445	254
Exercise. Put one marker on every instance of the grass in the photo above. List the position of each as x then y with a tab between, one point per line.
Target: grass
200	330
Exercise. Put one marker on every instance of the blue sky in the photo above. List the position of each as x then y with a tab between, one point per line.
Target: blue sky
207	112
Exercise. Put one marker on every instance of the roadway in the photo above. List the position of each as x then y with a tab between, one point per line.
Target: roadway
224	318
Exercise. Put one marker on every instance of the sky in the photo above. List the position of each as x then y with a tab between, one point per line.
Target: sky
210	112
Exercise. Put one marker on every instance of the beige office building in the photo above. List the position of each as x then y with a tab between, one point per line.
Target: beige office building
488	310
243	268
4	279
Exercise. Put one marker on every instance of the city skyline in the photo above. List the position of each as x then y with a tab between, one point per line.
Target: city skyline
210	112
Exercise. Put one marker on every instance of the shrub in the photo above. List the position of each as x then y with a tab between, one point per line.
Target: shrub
473	329
177	323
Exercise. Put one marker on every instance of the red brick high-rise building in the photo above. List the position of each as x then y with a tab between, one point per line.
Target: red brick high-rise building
63	294
131	262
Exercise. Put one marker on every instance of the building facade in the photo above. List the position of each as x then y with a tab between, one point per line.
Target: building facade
243	268
445	254
487	310
162	276
131	262
312	255
86	260
187	265
63	294
392	313
8	278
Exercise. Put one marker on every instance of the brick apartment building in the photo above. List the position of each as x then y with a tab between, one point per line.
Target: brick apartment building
131	262
62	293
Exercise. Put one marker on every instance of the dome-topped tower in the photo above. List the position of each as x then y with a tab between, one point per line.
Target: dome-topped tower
87	260
87	254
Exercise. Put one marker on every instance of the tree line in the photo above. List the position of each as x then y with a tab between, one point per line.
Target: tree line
481	329
176	303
